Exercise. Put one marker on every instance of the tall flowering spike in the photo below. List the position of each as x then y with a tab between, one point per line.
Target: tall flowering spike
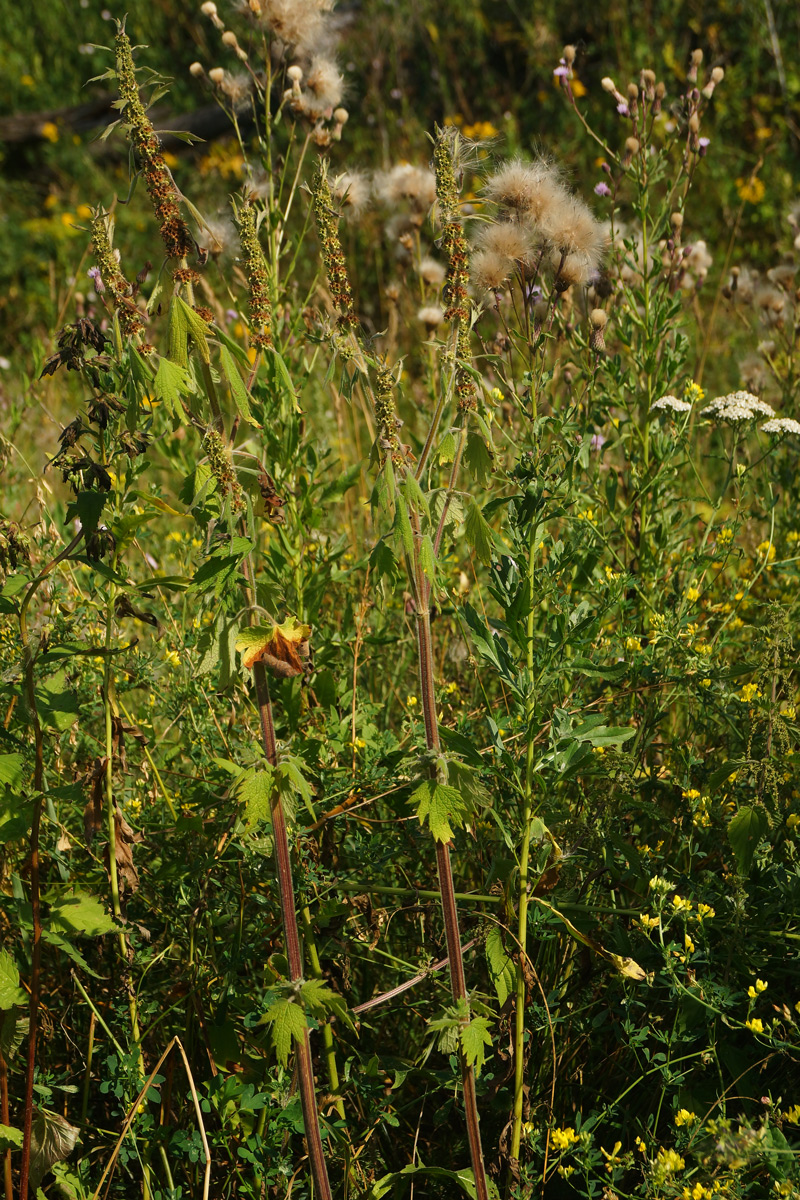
255	268
160	187
332	255
465	384
454	243
115	283
386	416
219	460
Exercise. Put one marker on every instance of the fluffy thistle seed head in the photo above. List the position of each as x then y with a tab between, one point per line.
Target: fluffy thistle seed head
489	270
431	271
529	189
324	87
431	316
352	190
509	239
406	182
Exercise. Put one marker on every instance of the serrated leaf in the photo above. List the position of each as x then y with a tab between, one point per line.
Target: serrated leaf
478	458
745	831
196	328
236	384
256	795
383	563
293	783
55	939
10	991
427	558
475	1036
81	914
321	999
501	968
415	495
171	382
403	526
52	1140
478	533
288	1021
447	449
465	1180
178	333
442	806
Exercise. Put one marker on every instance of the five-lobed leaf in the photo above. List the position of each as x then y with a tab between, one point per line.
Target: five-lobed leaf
288	1021
442	806
475	1036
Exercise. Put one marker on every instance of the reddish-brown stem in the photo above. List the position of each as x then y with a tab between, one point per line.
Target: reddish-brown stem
5	1118
38	801
458	985
283	864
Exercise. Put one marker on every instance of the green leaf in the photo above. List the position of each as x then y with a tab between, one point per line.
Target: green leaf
478	533
478	458
12	768
288	1021
383	563
442	805
10	991
236	384
170	384
399	1181
474	1037
55	939
81	914
501	968
256	795
745	831
10	1138
415	495
427	558
447	449
403	526
282	374
196	328
178	333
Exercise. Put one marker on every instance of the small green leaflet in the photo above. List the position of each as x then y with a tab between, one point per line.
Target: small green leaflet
441	805
236	384
288	1021
501	968
478	458
11	769
10	1138
415	495
474	1037
447	449
427	558
478	533
403	525
10	991
184	323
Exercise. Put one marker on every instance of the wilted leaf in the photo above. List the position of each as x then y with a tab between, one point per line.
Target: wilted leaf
52	1139
281	648
125	840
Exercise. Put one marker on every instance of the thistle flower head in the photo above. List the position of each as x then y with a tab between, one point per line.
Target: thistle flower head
431	272
408	182
431	315
297	23
573	230
489	271
532	190
324	87
513	240
352	190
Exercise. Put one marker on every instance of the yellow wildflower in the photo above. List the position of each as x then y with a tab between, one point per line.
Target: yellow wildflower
749	692
50	131
761	986
411	701
684	1117
755	1025
562	1139
751	190
692	594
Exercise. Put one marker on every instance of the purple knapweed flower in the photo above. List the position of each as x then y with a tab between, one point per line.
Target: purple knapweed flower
602	189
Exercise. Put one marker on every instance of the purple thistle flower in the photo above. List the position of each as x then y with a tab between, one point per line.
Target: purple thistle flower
597	441
623	110
562	71
602	189
703	142
97	280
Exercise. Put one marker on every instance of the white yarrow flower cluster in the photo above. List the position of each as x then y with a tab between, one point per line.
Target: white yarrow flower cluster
737	406
781	425
671	403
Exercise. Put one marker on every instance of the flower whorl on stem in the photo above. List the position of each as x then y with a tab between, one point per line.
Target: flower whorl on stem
161	189
454	244
255	268
130	319
332	254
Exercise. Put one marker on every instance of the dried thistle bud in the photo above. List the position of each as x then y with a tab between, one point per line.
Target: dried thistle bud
295	73
694	123
633	91
607	84
676	221
229	38
341	116
717	75
695	60
569	55
196	69
598	318
217	75
209	9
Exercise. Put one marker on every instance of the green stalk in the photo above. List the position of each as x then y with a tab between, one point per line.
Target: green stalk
327	1032
524	862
